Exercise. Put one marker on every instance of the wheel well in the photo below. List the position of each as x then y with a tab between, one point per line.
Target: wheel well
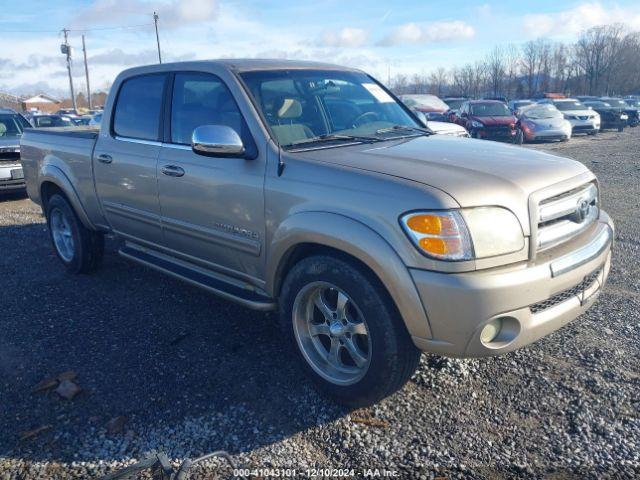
304	250
47	190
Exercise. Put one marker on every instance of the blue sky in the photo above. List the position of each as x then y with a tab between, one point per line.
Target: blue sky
403	36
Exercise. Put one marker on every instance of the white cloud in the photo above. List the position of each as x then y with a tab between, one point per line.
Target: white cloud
582	17
347	37
431	33
172	13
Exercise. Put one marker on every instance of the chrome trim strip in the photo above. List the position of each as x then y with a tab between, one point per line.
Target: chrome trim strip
566	205
583	255
132	213
176	146
565	229
138	140
219	237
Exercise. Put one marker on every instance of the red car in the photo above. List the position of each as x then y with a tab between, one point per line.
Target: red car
488	119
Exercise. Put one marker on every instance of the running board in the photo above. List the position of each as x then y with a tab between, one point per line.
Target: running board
229	291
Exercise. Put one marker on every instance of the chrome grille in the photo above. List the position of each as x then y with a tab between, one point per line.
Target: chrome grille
565	294
564	216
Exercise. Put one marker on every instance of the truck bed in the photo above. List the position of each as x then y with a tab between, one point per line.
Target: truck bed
76	132
64	153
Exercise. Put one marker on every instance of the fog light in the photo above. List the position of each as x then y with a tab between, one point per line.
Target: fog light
491	330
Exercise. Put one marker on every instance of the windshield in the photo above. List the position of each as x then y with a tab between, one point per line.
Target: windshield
633	103
454	103
616	102
490	110
10	125
598	104
538	112
301	106
427	101
53	121
574	105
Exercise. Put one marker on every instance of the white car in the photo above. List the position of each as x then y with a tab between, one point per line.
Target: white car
446	128
581	117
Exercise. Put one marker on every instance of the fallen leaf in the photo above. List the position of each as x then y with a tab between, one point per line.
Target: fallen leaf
116	425
372	422
68	375
29	434
46	384
67	389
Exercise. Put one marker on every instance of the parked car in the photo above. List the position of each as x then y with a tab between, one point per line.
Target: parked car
96	119
44	121
631	111
611	117
431	106
516	105
12	125
488	119
582	118
447	128
540	122
68	112
454	104
310	189
498	98
83	120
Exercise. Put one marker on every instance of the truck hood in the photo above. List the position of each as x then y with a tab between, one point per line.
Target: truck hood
473	172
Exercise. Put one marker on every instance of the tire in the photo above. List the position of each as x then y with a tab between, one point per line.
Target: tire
620	129
78	248
391	357
519	138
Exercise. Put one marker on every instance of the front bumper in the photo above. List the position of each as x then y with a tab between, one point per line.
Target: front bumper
531	300
498	134
11	176
550	134
584	126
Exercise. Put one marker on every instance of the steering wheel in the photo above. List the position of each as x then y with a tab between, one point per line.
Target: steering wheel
356	121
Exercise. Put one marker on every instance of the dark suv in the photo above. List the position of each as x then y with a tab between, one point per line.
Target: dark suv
488	119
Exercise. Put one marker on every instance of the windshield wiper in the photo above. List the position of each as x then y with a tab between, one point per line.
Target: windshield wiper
398	128
328	137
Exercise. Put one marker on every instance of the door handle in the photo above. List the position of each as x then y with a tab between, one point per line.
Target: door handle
104	158
173	171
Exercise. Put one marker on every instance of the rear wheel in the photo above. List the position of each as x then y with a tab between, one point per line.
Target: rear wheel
620	129
346	330
78	248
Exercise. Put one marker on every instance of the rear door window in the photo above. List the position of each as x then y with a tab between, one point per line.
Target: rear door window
138	107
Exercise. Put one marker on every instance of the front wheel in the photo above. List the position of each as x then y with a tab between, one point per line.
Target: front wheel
346	331
518	138
620	129
78	248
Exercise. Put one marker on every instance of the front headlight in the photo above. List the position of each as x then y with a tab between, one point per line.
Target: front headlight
624	116
464	234
477	124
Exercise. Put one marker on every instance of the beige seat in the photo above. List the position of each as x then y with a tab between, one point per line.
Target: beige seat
288	131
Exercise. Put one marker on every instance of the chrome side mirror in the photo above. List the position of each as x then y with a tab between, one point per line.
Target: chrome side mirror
217	141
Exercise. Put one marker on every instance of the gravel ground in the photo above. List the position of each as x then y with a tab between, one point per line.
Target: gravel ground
190	373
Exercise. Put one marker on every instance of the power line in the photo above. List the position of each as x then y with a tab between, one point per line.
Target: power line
119	27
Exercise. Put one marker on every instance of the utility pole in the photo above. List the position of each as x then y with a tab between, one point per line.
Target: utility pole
66	50
155	21
86	72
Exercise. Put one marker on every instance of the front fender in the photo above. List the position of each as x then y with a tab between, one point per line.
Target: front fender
53	174
356	239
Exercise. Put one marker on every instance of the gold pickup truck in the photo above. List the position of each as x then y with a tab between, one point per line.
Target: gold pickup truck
310	189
